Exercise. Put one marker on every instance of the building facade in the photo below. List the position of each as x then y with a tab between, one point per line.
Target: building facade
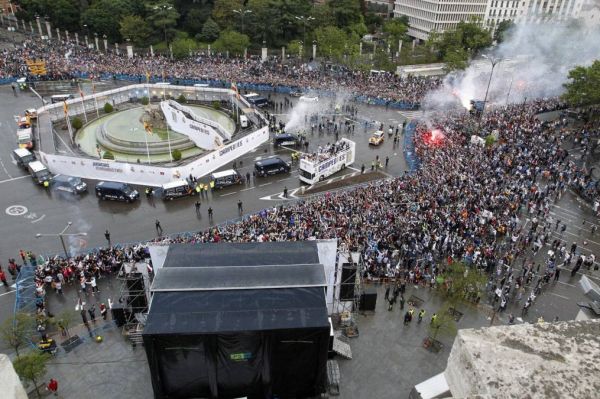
426	16
535	11
385	8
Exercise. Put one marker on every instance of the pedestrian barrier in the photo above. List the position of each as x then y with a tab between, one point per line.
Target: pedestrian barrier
410	154
25	300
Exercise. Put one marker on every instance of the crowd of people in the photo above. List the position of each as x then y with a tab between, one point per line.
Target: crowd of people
467	203
326	152
67	61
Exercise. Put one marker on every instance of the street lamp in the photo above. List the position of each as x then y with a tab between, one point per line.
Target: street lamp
61	235
304	21
165	8
85	30
494	62
242	13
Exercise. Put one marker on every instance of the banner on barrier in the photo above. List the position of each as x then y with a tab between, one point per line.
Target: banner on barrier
149	175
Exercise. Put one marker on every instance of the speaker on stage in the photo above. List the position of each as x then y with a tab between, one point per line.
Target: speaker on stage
118	315
368	300
137	293
348	282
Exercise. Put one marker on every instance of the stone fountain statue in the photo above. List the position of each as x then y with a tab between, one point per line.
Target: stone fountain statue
154	117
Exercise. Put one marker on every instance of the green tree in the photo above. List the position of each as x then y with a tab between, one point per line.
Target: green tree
163	15
182	47
145	100
135	28
176	154
223	13
77	123
210	31
108	108
108	155
583	87
444	323
32	367
15	331
103	17
456	46
333	42
293	47
373	21
232	41
395	31
503	30
64	14
194	20
345	12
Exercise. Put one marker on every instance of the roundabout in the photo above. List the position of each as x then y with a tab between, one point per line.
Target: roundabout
123	134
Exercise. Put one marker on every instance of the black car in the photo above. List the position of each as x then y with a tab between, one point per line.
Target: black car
286	139
116	191
271	166
69	184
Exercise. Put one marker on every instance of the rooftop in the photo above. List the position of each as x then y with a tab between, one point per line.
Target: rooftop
542	360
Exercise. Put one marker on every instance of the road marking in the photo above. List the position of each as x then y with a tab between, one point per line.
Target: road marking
4	167
39	219
570	285
560	296
287	178
265	184
225	195
9	292
13	178
16	210
350	167
249	188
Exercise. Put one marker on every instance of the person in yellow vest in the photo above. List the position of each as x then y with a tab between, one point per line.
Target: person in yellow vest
199	189
212	185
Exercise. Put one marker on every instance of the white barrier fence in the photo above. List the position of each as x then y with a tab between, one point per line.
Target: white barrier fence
133	173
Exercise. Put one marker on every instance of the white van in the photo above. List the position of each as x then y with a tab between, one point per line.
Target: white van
243	121
434	388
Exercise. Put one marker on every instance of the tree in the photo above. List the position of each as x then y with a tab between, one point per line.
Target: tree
334	42
223	13
108	108
77	123
135	28
32	367
15	331
163	15
395	30
210	31
503	29
456	46
108	155
294	47
345	12
232	41
183	47
444	323
103	17
194	20
176	154
583	87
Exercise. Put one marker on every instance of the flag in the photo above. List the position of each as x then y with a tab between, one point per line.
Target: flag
65	108
234	88
148	127
147	77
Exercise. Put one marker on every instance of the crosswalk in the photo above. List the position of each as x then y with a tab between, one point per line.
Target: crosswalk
409	115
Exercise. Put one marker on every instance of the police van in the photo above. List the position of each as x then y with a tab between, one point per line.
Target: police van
175	189
225	178
23	156
285	139
256	100
39	173
271	166
116	191
70	184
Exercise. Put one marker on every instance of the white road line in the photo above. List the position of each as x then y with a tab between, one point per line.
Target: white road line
225	195
265	184
14	178
4	167
350	167
249	188
9	292
287	178
570	285
39	219
560	296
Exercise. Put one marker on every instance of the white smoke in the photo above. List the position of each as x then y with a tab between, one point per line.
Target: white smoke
299	117
534	62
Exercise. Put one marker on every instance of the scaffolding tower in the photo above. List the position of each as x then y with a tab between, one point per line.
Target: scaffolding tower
134	298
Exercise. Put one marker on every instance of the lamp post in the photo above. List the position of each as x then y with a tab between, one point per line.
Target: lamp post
165	8
39	25
104	39
62	236
85	31
242	12
304	20
494	62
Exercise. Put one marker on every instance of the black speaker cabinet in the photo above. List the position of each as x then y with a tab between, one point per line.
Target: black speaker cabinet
368	300
348	282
